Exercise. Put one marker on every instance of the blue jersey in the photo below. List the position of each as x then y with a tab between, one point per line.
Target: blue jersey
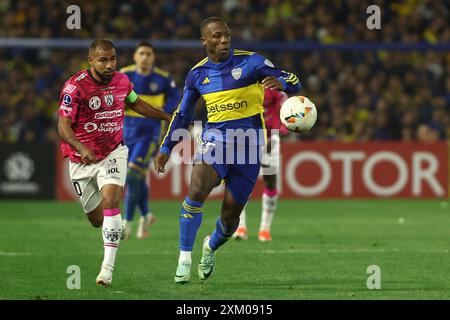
157	89
232	91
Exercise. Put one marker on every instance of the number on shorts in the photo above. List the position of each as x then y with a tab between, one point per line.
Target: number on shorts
77	187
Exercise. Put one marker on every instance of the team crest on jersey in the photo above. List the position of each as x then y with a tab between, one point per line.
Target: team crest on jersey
95	103
154	86
236	73
109	99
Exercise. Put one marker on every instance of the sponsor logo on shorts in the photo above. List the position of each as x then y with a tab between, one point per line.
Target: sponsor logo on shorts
108	114
112	170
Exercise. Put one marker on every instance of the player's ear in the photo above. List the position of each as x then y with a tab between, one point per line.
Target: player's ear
203	41
90	59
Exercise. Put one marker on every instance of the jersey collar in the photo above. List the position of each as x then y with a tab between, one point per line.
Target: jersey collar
220	64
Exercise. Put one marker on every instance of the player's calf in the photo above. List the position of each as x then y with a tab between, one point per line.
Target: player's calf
95	217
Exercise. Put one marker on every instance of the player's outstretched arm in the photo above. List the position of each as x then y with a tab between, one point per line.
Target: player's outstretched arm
148	110
67	135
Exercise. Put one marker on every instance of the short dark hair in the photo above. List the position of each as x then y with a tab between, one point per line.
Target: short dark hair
104	44
144	44
208	21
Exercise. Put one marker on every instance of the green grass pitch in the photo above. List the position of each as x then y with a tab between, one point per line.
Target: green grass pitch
320	250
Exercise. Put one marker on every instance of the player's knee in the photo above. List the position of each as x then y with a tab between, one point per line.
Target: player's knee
196	193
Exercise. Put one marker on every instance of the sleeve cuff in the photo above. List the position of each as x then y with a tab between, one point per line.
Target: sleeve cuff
283	82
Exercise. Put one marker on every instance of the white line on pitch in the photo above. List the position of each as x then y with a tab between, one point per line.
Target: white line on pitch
13	254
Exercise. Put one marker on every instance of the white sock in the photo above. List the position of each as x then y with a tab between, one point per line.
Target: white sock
242	219
112	231
185	256
269	205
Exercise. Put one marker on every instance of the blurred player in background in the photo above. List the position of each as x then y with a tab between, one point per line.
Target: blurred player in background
90	124
232	84
272	103
141	134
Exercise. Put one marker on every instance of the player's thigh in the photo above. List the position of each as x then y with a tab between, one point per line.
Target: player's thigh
112	176
203	179
239	183
84	182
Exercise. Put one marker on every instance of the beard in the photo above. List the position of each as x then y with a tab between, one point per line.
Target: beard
104	76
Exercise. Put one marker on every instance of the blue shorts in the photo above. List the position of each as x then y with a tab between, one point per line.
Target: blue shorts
141	152
237	161
141	137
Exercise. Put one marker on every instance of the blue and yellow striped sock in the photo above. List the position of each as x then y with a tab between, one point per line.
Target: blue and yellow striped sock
221	234
190	220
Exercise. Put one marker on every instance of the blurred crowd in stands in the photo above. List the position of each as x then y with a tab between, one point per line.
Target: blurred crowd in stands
361	95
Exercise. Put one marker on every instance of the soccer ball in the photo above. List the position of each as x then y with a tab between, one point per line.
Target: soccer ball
298	114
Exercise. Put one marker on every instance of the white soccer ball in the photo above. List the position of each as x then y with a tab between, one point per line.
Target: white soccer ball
298	114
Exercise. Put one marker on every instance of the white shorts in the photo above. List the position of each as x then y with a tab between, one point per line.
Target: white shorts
88	180
270	162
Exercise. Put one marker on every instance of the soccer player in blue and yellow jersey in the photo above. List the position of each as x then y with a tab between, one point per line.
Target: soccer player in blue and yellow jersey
232	83
142	135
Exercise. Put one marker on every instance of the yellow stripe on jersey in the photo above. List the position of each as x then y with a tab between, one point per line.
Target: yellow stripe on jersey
264	128
292	79
238	52
161	72
170	123
235	103
157	101
128	68
200	63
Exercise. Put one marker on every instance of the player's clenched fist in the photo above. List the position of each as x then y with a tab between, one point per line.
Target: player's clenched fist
87	155
160	162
